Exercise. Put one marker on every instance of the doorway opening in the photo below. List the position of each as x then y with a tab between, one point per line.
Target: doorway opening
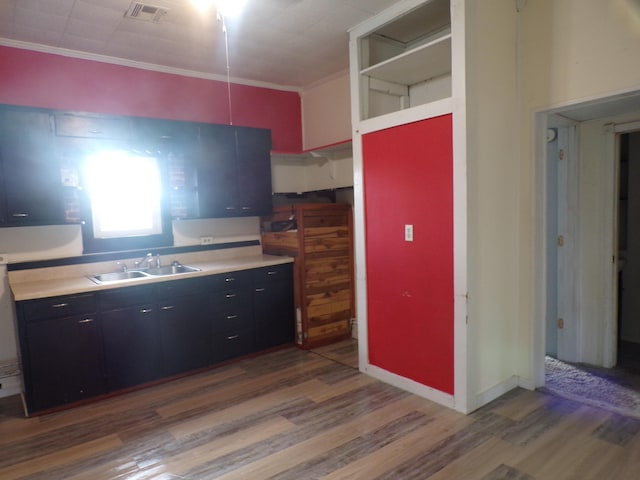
628	356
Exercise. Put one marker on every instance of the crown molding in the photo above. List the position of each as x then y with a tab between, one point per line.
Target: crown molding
37	47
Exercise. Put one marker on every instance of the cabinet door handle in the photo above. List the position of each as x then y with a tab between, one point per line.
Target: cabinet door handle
229	279
246	208
230	295
86	320
272	272
146	310
260	289
59	305
232	337
229	208
167	307
231	317
21	215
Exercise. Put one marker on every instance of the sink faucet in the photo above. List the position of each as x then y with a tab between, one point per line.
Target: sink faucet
149	258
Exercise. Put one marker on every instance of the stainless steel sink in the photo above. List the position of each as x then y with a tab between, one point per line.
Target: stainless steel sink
117	276
171	270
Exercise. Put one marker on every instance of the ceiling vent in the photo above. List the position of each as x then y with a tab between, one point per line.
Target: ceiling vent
146	12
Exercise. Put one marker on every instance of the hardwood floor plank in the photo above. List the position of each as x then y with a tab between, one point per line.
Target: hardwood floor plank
248	385
294	414
245	408
270	459
40	463
390	456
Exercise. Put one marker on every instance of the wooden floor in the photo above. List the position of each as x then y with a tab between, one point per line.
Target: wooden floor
300	415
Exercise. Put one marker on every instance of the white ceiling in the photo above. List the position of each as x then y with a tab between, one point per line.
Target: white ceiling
291	43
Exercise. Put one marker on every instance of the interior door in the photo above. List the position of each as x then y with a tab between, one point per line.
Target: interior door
408	184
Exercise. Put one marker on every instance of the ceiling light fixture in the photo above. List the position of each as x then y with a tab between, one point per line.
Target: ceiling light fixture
226	8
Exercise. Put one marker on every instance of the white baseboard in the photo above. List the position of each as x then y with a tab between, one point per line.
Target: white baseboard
10	386
409	385
482	398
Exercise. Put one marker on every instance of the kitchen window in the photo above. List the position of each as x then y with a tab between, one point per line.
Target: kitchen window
125	203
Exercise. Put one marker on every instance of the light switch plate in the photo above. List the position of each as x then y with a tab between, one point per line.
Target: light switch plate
408	233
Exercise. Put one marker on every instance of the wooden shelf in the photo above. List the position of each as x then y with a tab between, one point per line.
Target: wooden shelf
430	60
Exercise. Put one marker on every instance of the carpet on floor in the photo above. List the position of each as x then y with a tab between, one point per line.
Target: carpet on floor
614	390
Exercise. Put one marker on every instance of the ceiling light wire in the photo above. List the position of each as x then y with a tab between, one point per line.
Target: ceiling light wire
226	51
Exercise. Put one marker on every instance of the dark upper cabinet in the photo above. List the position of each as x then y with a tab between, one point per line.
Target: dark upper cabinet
176	145
254	170
234	171
209	170
31	173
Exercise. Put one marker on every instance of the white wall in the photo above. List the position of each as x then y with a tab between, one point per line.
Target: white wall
492	237
570	51
326	112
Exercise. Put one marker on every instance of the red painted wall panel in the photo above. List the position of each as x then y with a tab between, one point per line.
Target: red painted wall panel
408	179
54	81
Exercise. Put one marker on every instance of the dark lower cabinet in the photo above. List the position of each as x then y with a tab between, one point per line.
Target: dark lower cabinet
231	317
81	346
184	327
273	308
131	346
64	361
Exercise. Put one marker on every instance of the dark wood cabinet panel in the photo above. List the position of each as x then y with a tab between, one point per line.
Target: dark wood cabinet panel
254	171
31	173
234	171
273	308
184	333
131	346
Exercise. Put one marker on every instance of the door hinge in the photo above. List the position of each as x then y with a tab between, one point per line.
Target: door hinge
561	240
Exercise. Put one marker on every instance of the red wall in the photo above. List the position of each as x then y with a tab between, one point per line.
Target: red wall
53	81
408	179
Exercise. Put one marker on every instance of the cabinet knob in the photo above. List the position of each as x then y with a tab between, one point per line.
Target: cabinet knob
260	289
230	295
60	305
232	337
272	272
167	307
231	317
146	310
229	279
86	320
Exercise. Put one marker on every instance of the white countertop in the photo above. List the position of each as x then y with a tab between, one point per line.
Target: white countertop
56	281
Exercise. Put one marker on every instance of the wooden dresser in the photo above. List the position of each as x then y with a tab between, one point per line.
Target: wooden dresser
320	238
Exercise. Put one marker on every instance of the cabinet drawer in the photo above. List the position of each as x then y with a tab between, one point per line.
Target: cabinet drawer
124	297
230	345
230	301
231	280
68	125
273	273
56	307
229	323
180	288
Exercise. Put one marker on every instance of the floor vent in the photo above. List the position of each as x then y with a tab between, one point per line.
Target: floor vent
146	12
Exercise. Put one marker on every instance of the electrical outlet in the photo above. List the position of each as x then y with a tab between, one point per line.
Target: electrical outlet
208	240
